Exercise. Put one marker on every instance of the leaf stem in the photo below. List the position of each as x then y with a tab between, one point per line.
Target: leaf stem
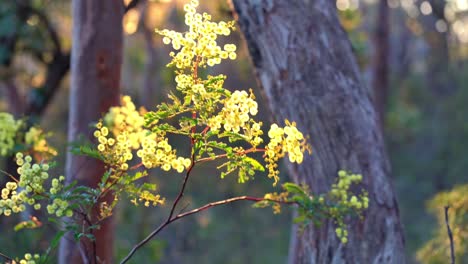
251	150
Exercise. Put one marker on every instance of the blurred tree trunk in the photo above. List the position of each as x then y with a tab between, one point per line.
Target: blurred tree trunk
95	80
440	82
439	79
381	65
151	78
304	62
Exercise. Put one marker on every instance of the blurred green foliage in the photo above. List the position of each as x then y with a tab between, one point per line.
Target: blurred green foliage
426	135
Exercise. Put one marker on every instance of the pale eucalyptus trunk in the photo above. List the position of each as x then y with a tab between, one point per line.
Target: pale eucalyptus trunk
304	62
95	86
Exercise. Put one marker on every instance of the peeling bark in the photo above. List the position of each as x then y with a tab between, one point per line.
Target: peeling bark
305	64
95	86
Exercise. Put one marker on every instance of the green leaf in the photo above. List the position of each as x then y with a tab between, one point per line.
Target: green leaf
105	177
187	100
55	241
26	224
300	219
69	186
139	175
293	188
149	186
86	150
191	121
255	164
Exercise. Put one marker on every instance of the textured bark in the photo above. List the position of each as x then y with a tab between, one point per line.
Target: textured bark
304	62
95	80
381	65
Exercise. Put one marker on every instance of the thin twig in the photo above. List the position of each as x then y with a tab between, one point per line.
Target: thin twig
194	211
5	257
10	175
449	231
182	189
251	150
169	218
227	201
93	241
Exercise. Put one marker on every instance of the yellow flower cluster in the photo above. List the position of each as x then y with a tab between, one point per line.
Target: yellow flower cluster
253	133
274	199
160	154
149	199
126	133
284	140
339	192
36	139
29	259
184	81
32	179
59	207
342	234
199	43
235	112
8	128
12	201
116	151
126	118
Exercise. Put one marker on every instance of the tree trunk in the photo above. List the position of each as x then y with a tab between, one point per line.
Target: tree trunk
381	66
304	62
95	80
151	79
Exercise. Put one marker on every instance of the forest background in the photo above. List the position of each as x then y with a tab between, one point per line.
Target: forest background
412	55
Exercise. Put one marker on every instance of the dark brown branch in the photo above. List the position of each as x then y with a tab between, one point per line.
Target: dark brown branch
5	257
131	5
227	201
182	189
48	25
449	232
93	241
169	218
56	71
194	211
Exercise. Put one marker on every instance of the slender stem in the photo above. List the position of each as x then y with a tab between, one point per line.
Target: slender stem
207	128
169	218
194	211
227	201
136	166
251	150
182	189
9	175
449	232
5	257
